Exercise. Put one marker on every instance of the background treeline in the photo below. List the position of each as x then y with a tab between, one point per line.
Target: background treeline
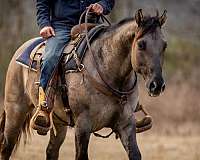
18	24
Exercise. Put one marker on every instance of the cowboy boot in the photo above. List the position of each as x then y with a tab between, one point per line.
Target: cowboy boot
146	122
41	119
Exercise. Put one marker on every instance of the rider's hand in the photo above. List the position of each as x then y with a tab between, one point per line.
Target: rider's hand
96	8
47	32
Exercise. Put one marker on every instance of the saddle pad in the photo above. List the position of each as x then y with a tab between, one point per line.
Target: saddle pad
24	58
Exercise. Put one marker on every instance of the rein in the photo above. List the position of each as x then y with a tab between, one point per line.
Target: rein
106	88
122	95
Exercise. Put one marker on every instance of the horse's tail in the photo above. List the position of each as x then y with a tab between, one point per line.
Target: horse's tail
25	130
2	126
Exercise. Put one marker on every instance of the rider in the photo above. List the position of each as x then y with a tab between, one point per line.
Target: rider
55	19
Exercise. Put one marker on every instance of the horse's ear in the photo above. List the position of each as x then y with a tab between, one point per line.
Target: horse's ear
163	18
139	17
157	13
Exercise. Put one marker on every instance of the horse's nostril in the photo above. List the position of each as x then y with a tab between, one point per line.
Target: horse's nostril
163	87
153	86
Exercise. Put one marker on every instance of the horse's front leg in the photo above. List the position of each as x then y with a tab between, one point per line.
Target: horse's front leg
55	142
127	134
82	136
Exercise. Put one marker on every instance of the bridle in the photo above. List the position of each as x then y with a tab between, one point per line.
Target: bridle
105	88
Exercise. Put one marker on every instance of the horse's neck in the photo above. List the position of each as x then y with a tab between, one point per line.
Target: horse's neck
115	54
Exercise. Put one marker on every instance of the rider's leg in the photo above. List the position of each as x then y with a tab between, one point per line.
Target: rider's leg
53	51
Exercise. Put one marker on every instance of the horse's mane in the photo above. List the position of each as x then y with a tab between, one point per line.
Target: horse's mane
149	23
119	24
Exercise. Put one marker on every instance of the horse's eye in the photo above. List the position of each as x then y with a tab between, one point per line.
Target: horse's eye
141	45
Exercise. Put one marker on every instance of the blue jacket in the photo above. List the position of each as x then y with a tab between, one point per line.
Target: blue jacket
67	11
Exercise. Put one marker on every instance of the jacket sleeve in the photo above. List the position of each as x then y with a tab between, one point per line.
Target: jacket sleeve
43	13
107	5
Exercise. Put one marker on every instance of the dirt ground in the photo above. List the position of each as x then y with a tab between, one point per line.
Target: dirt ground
175	133
152	148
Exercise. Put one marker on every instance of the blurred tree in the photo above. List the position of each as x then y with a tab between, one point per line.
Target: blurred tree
18	24
122	9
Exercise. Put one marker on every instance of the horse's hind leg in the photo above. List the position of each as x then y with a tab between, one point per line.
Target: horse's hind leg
82	136
15	116
127	134
56	141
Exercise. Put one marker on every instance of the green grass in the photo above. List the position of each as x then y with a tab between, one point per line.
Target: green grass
181	55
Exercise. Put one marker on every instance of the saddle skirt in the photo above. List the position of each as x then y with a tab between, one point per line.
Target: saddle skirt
31	57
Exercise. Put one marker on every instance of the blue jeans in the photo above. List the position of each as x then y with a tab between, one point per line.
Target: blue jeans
53	52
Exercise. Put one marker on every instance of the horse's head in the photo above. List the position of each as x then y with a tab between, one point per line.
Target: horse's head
148	51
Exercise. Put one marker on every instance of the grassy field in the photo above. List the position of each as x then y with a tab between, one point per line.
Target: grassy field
152	148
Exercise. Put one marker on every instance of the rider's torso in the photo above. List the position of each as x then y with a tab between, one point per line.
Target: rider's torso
68	11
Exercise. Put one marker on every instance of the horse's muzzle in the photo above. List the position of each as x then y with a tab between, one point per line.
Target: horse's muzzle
155	86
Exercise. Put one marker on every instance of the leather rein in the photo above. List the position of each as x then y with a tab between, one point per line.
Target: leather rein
106	88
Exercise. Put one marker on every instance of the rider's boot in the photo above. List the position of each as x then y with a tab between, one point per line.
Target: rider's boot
146	122
41	120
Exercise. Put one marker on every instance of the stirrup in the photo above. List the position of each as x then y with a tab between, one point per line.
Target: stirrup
41	120
41	130
37	83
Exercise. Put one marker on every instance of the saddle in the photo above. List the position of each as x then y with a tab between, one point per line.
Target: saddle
31	57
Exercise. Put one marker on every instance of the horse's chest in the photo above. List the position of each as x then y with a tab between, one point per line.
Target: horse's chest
81	89
83	97
82	92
